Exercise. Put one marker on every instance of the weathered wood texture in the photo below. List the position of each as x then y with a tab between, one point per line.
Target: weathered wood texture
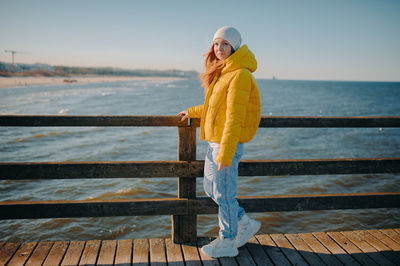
319	166
308	202
81	170
142	121
191	169
365	247
107	252
188	207
184	227
90	121
124	252
323	122
56	253
92	208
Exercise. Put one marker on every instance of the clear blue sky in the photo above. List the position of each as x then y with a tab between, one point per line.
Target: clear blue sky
309	39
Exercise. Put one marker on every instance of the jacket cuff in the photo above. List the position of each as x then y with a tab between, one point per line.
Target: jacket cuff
225	156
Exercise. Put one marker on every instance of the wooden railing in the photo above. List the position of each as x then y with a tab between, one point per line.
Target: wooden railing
186	206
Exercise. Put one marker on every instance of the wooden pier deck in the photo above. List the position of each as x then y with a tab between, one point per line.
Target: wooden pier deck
364	247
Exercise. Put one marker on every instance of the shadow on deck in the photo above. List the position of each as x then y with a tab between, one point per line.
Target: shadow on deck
366	247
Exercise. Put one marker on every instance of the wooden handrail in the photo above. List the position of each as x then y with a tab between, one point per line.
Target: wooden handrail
324	122
173	121
200	205
186	206
90	121
193	169
330	121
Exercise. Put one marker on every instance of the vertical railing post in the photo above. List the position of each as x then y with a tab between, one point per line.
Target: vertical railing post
184	227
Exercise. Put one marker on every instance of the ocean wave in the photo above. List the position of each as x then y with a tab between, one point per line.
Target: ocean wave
63	111
108	93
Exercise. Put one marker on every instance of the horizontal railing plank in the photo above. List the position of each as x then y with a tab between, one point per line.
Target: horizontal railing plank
310	202
146	169
319	166
81	170
91	208
170	121
315	121
324	121
90	121
203	205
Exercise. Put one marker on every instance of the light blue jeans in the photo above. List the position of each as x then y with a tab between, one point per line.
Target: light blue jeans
221	187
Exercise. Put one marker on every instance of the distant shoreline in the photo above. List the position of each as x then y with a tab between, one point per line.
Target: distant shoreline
10	82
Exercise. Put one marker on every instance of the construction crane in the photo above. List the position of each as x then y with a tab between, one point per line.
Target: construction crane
12	54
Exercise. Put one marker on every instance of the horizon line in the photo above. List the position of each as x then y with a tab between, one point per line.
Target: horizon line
157	69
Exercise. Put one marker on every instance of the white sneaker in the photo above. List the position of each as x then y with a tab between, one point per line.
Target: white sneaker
247	228
221	248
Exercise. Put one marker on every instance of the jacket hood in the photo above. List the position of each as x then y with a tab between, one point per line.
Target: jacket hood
241	58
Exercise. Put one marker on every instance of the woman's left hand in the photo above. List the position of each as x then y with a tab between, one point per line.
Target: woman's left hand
184	114
221	166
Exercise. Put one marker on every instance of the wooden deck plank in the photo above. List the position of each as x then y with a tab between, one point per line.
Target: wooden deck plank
305	251
90	252
213	261
352	249
22	254
365	247
157	251
320	249
290	252
140	252
257	252
191	255
107	252
39	254
56	253
271	249
174	253
227	261
379	246
7	251
244	258
207	261
392	234
385	239
74	253
335	249
124	252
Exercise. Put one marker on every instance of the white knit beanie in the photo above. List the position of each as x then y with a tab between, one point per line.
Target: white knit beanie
230	34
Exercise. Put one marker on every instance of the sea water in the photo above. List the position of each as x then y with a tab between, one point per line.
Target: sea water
155	97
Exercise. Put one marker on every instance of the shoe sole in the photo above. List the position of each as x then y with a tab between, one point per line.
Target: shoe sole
230	255
238	245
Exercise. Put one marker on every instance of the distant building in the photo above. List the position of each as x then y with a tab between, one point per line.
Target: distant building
8	67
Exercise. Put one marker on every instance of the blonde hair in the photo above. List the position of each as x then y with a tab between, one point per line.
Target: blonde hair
212	68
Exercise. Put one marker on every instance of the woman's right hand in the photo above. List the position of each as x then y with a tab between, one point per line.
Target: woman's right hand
184	114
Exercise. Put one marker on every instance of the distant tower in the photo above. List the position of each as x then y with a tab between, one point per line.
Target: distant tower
12	54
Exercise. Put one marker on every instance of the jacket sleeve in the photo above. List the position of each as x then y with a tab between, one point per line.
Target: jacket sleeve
238	94
195	111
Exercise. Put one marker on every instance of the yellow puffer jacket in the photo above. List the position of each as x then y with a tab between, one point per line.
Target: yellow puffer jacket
231	111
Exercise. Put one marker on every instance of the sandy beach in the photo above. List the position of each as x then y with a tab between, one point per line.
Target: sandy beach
9	82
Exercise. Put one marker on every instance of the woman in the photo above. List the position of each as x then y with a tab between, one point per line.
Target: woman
230	117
